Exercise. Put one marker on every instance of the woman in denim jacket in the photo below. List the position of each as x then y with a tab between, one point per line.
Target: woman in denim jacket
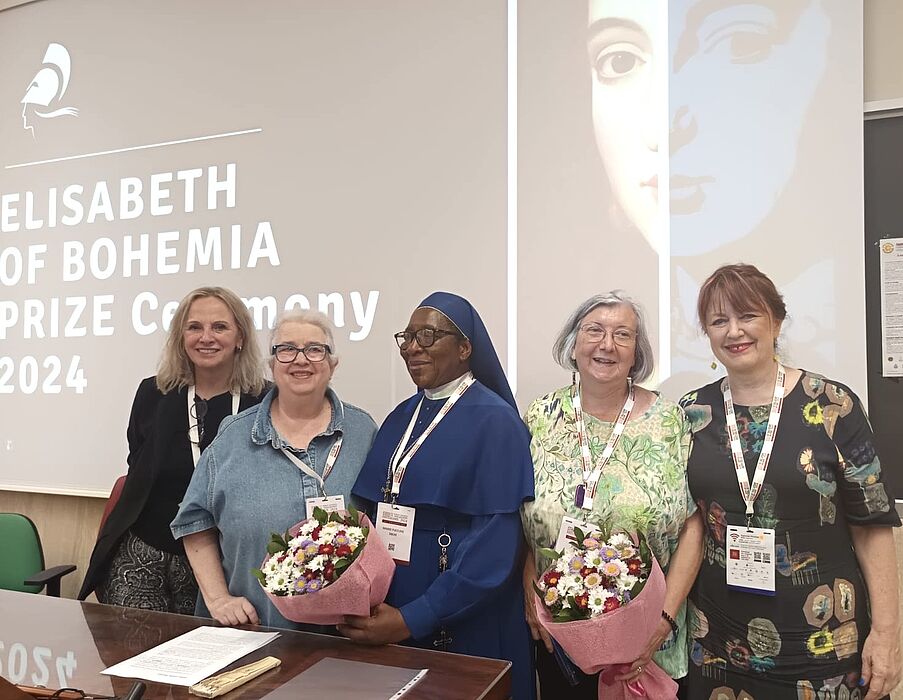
256	476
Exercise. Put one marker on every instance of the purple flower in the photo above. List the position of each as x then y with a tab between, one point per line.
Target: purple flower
608	553
314	585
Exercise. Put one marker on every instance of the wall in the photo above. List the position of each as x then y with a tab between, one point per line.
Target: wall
69	524
883	22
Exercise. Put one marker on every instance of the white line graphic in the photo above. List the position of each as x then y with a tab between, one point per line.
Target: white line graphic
134	148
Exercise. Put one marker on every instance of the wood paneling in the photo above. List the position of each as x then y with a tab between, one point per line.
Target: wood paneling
68	527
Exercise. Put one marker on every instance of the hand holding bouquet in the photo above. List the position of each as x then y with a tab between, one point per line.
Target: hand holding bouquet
326	567
601	600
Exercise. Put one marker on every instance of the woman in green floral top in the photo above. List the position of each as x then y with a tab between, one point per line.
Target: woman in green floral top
643	483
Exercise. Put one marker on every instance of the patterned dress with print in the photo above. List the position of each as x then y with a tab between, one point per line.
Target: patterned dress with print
824	474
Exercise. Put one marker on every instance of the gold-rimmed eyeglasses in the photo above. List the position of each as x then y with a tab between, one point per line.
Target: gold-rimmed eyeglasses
594	333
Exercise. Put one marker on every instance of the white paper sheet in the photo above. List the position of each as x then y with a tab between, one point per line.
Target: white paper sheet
193	656
891	253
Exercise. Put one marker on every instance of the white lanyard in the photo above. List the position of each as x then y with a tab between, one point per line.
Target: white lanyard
327	469
750	494
587	490
400	458
193	438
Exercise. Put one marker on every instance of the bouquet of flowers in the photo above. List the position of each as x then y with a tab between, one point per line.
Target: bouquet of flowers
601	600
326	567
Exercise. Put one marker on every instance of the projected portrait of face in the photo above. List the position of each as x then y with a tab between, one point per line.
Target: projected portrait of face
740	80
48	86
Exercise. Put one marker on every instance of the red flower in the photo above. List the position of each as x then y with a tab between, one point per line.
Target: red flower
343	550
315	534
611	604
329	571
634	566
326	549
309	574
587	570
551	578
582	600
281	558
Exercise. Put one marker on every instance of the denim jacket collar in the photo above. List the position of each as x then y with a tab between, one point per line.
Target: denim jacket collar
263	431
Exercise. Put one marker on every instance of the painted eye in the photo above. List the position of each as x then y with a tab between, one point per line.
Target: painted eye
617	62
743	41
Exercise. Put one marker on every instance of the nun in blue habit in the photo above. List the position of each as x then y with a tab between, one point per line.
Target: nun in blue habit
466	481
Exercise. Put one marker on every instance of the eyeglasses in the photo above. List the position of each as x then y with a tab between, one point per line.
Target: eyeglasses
314	352
425	337
594	333
197	413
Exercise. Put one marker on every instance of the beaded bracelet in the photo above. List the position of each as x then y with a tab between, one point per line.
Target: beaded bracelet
670	621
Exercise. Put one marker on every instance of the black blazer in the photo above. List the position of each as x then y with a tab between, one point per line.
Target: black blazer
157	428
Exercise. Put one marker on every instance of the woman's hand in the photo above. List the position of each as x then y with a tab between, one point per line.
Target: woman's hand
881	662
233	610
645	658
385	625
529	577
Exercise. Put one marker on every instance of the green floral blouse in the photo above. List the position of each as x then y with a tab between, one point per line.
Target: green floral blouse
643	486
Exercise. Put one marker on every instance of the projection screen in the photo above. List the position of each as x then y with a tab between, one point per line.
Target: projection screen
354	156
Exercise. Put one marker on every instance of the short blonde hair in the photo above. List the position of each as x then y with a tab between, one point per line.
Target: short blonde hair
176	370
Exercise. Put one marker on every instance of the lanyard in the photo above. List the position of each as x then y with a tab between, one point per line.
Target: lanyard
587	490
748	493
193	438
401	458
327	469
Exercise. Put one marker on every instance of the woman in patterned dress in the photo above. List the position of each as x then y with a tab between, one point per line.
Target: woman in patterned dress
642	486
822	495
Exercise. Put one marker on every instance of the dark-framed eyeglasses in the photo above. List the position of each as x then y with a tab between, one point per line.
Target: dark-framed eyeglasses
197	413
425	337
314	352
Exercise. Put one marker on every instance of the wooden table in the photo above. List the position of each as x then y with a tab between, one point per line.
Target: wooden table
64	643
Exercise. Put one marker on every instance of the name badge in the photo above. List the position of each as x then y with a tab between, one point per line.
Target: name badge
749	559
395	525
566	531
330	504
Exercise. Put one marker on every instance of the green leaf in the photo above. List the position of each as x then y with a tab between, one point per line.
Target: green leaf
275	548
321	516
538	591
549	553
354	515
278	540
259	575
579	534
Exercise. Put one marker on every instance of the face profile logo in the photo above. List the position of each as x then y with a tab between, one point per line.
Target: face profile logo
48	87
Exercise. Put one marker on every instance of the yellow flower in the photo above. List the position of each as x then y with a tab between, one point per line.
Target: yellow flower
812	413
551	596
821	642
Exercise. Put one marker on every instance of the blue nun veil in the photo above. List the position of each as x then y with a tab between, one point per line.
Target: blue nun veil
484	361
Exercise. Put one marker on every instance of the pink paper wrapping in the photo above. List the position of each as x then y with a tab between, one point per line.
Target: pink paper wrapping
364	585
617	638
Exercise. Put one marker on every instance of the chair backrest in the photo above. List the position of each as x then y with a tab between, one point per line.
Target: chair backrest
111	501
21	555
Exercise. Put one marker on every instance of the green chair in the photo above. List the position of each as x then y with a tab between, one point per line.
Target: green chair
22	558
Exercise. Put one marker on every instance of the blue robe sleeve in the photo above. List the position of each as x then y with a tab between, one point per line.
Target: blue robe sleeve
486	558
